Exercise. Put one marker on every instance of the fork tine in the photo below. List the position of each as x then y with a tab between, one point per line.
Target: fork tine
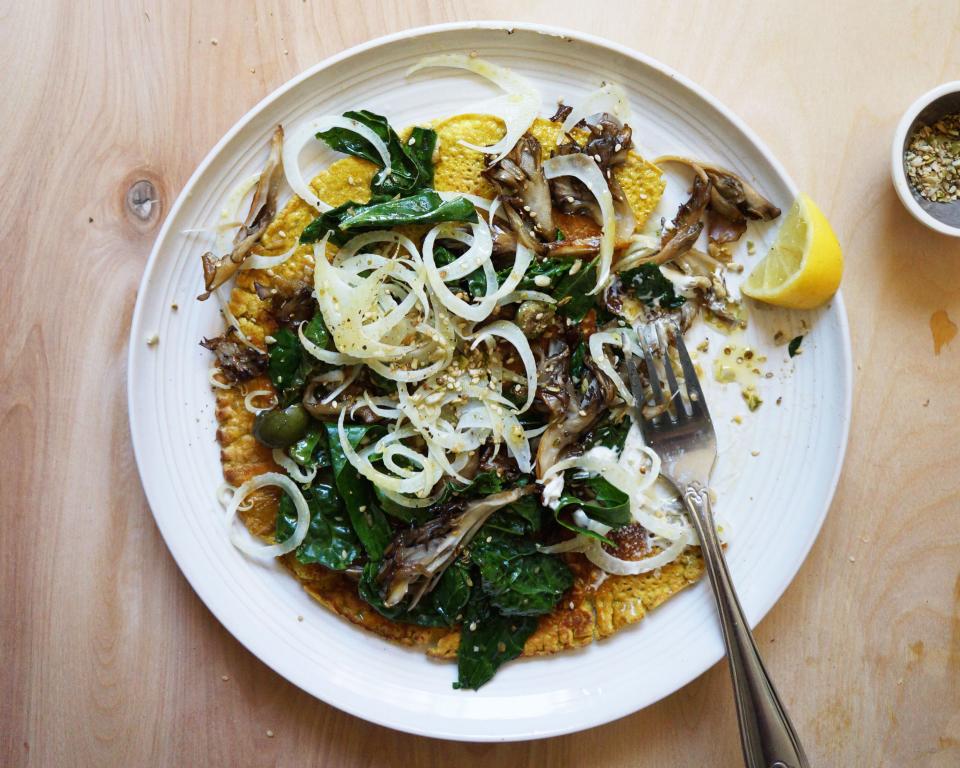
675	394
694	391
651	368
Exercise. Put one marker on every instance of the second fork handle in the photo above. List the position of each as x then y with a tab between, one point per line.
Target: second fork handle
766	733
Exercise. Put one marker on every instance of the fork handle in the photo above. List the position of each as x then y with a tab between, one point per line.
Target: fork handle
766	733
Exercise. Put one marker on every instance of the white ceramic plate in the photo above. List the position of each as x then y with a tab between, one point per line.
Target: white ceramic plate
774	502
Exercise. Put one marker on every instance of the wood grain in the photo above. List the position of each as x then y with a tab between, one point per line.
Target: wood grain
108	656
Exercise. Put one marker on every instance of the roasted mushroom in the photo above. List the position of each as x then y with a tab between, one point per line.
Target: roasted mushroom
239	361
290	302
570	415
731	199
701	274
263	207
321	406
583	246
418	557
609	145
524	194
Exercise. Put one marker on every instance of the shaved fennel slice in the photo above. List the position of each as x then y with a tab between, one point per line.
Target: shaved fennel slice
376	405
230	215
324	355
510	332
475	257
300	504
518	107
251	396
418	483
597	342
352	377
516	440
596	554
475	312
640	248
522	261
586	170
228	315
410	375
214	381
256	261
292	468
411	503
345	302
354	244
517	296
604	462
304	134
610	98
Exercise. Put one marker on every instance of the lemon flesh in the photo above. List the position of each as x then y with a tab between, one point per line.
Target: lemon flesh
803	267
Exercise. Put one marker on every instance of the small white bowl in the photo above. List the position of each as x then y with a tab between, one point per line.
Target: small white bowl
942	100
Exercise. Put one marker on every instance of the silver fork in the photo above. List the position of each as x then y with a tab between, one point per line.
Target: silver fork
682	435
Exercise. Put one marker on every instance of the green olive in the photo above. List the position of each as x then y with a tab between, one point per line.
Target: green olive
279	428
534	317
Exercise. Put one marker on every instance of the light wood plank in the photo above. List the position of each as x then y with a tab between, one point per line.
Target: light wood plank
109	657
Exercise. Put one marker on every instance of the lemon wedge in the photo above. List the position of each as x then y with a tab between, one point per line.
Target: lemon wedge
803	267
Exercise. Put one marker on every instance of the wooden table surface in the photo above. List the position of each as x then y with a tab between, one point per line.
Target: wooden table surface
108	657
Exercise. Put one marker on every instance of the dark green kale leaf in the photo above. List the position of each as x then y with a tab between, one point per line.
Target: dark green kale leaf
522	518
426	207
517	579
609	504
316	331
572	292
365	514
555	269
311	450
331	540
411	161
794	346
483	484
651	287
441	607
288	366
329	222
609	434
488	640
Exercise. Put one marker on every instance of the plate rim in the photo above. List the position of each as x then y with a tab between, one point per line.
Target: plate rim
618	711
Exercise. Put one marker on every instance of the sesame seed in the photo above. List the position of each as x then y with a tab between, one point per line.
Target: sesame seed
269	734
224	677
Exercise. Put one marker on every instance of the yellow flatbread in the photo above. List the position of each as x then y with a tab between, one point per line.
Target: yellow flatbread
596	606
